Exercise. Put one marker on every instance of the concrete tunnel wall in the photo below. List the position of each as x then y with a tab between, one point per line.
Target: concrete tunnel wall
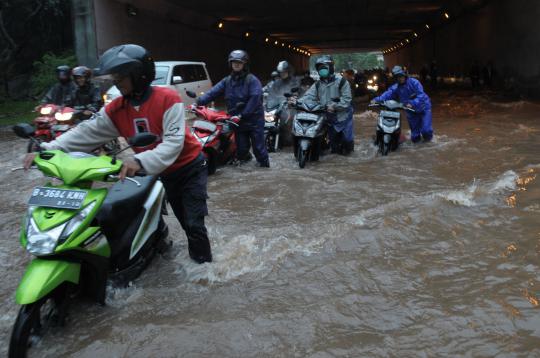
173	33
502	31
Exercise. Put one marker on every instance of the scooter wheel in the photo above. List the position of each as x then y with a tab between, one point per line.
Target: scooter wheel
302	157
385	148
31	320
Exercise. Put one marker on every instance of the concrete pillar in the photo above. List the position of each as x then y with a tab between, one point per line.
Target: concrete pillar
84	32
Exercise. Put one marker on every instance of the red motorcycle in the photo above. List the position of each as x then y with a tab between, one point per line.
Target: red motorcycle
51	122
213	129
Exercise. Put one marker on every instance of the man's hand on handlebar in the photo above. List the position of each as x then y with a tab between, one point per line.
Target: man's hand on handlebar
129	168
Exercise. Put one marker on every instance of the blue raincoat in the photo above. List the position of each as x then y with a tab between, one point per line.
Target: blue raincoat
244	88
412	92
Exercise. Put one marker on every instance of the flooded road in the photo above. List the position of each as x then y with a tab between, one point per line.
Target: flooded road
431	251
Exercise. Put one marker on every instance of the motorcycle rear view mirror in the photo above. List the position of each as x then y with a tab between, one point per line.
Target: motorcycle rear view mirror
294	89
23	130
287	95
142	139
191	94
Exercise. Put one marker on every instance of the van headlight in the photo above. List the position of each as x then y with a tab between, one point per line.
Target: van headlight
44	242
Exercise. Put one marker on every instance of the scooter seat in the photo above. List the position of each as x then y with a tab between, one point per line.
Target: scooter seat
122	204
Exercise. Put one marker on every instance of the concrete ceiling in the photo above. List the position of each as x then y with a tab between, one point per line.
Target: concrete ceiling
331	26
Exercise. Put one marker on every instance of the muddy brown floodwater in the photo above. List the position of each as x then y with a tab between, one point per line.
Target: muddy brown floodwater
432	251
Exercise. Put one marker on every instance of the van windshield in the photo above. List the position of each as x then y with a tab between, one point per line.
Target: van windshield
161	75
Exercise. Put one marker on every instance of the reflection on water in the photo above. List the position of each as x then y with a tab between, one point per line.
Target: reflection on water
431	251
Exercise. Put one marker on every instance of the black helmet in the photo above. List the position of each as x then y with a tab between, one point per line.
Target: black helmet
63	73
81	71
128	60
325	60
239	55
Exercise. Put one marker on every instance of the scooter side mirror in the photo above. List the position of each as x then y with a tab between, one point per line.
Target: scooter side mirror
239	106
23	130
287	95
295	89
191	94
142	139
336	99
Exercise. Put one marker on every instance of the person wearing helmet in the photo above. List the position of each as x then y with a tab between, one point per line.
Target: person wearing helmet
273	77
86	96
410	92
284	84
61	93
243	87
333	91
177	157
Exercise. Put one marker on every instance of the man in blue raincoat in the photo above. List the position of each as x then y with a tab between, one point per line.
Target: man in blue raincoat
410	92
242	86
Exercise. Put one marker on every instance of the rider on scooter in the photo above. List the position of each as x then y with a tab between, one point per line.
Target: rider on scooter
86	95
410	92
284	84
242	86
324	91
61	93
177	158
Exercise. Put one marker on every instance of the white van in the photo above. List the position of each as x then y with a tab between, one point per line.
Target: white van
180	76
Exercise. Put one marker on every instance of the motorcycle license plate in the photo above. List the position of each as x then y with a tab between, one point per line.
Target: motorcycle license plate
57	198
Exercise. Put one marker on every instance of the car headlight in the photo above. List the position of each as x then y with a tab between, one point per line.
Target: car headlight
44	242
374	78
370	81
45	111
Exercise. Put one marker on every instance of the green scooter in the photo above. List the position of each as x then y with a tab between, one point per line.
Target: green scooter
83	236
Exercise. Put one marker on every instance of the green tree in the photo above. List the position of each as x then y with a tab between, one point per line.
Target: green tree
28	28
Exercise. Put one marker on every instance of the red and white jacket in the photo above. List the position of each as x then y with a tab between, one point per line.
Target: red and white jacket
161	114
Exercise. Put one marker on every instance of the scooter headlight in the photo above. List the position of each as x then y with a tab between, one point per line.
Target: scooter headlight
63	116
42	243
45	111
312	131
76	221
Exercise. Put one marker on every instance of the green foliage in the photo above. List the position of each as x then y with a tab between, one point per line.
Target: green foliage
12	112
44	74
356	60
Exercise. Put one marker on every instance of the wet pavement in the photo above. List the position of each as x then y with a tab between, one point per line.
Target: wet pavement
431	251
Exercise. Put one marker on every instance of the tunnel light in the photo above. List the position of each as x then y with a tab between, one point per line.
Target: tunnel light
220	25
407	40
266	39
446	15
427	26
289	46
283	44
415	34
401	43
275	43
247	34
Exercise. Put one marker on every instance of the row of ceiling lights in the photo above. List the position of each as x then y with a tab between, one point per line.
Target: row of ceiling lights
414	36
276	42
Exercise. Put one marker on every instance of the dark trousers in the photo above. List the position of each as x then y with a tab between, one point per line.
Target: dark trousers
251	135
186	192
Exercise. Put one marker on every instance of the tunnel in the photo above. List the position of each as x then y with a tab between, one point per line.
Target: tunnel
454	34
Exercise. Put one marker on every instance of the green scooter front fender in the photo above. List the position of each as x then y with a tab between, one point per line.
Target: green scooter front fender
43	276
